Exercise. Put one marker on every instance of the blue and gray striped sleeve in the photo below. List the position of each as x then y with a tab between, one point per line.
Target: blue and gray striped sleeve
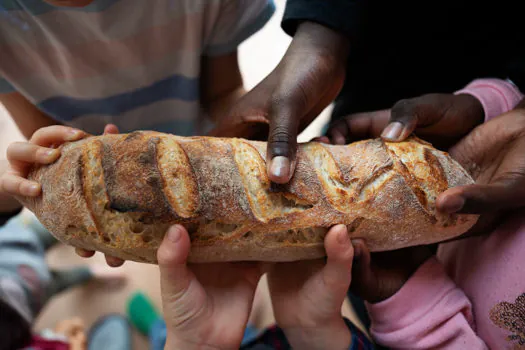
237	21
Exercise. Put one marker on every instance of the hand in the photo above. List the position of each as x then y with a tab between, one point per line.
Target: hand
494	154
206	306
442	119
378	276
42	149
307	296
307	79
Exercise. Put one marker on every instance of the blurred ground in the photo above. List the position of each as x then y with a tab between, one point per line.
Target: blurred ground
258	56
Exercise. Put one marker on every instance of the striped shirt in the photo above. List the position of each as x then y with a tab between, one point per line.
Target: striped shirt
133	63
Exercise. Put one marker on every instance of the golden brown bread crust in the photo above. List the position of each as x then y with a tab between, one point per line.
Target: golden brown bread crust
118	194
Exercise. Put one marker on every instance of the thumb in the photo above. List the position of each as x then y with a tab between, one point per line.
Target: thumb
337	272
427	112
478	199
282	143
403	120
179	288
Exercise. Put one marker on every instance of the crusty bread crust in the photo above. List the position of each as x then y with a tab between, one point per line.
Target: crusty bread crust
118	194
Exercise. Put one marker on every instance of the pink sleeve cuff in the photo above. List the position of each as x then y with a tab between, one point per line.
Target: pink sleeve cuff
428	287
495	95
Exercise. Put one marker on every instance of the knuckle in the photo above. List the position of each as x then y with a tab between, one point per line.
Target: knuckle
165	256
403	107
281	134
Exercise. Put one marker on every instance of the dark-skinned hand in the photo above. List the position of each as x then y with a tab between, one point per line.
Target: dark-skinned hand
494	154
442	119
308	78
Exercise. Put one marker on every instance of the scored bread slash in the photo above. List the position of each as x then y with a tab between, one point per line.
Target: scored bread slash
118	194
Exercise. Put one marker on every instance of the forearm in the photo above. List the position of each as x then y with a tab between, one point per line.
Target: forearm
429	311
26	116
495	95
342	16
176	343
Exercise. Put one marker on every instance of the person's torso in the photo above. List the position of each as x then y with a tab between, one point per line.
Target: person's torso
408	48
491	272
133	63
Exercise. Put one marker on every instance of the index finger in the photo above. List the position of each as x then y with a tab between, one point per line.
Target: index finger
56	134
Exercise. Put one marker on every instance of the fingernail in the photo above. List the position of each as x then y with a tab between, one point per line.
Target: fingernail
280	167
393	131
454	204
34	189
342	237
50	154
73	134
174	234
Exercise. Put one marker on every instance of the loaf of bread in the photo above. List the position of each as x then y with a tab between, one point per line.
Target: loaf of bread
118	194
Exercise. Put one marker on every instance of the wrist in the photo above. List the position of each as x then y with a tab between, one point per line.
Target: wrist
414	258
474	111
174	343
495	95
336	335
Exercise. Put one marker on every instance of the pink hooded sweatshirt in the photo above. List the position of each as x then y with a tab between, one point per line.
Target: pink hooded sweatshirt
472	294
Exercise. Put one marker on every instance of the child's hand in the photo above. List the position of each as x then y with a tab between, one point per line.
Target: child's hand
307	296
40	149
206	306
378	276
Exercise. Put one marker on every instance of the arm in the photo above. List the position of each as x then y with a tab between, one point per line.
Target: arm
307	79
428	312
27	117
291	96
221	84
342	16
442	119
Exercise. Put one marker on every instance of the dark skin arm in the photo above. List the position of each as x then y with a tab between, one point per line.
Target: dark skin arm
307	79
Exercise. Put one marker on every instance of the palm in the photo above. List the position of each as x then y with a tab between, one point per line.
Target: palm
219	304
300	286
493	154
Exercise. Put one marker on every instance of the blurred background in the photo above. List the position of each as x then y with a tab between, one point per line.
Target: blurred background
258	57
